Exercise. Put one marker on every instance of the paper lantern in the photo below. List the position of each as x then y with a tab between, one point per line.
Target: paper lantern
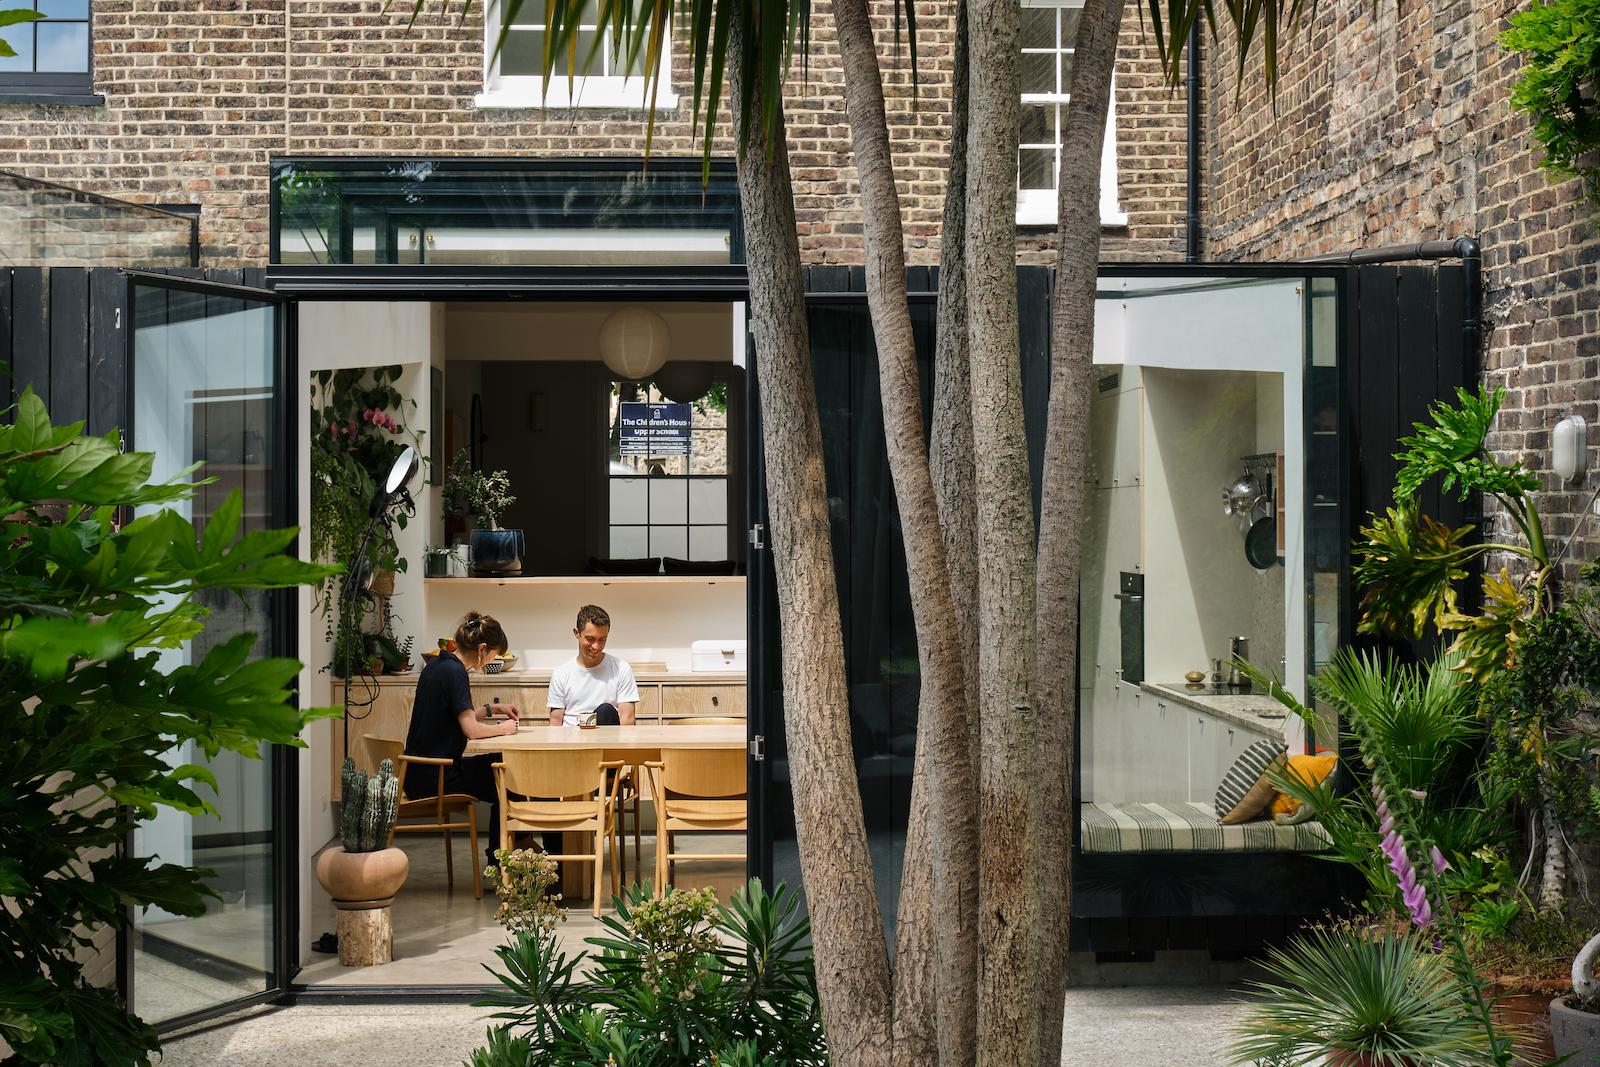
684	381
634	342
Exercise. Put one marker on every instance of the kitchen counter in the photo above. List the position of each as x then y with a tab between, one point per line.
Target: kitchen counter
1256	712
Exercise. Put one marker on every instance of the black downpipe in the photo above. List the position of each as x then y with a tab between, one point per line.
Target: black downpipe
1191	231
1466	249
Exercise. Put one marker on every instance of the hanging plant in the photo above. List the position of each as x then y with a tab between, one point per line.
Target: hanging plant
1560	46
358	430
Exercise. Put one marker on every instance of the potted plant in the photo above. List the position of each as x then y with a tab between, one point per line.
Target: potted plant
1354	996
1575	1020
362	872
359	428
484	497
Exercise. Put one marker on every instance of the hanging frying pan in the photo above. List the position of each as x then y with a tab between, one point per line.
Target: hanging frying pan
1261	543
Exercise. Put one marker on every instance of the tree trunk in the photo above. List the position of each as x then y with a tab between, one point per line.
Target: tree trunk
846	925
1553	872
950	453
945	760
1008	995
1062	496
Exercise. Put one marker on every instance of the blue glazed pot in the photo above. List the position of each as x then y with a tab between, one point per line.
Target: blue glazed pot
496	553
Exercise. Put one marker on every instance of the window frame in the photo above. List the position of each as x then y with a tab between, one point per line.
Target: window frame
585	91
688	525
1039	208
53	87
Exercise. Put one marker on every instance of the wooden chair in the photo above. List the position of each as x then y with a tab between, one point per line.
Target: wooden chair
434	808
697	790
563	791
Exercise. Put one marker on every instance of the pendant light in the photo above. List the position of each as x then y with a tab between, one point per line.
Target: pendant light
634	342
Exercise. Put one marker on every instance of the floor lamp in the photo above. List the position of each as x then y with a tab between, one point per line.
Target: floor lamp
390	496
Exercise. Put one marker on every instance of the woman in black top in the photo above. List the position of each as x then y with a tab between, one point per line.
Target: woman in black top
444	717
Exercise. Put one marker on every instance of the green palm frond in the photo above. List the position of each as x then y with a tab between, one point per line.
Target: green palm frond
1348	990
1421	721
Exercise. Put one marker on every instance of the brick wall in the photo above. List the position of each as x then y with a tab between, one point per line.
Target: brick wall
1393	124
197	103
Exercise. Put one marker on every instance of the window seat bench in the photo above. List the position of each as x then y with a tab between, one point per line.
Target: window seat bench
1187	827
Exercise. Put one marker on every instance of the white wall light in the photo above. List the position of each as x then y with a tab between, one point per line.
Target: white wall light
634	342
1569	450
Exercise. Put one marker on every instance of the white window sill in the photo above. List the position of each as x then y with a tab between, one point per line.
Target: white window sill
1036	219
591	96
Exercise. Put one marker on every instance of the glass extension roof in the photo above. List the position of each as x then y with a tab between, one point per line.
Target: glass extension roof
504	212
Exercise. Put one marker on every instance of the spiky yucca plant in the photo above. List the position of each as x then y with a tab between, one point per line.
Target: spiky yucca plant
1384	995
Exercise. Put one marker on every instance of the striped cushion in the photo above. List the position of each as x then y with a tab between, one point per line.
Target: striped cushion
1247	771
1179	827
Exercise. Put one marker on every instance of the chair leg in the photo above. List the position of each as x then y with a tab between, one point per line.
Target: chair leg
638	855
472	836
449	861
619	852
599	863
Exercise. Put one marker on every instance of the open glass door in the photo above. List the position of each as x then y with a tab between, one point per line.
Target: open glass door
207	367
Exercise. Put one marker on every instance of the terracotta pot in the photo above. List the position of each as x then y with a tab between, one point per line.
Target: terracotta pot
1575	1033
357	880
382	583
1521	1008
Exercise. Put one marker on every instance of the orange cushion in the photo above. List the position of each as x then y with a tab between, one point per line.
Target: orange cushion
1309	769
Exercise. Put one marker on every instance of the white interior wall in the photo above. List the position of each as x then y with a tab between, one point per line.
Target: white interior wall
340	335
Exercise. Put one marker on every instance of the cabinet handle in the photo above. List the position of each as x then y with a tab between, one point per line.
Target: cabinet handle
714	699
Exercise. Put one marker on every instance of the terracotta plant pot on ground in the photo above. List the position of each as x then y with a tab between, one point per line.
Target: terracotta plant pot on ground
1575	1033
363	885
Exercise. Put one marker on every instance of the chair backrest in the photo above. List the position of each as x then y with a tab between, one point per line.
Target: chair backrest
386	748
703	772
552	774
706	720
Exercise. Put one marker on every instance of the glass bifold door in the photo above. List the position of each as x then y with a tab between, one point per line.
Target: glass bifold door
205	370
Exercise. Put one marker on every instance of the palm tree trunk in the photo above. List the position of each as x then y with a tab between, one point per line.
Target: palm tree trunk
946	759
846	926
1553	872
1063	490
1008	995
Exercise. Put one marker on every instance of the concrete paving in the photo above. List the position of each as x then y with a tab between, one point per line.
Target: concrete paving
1158	1026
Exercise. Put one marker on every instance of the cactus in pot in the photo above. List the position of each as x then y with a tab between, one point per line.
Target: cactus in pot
366	871
369	807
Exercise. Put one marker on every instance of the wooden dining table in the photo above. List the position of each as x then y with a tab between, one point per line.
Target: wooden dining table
631	744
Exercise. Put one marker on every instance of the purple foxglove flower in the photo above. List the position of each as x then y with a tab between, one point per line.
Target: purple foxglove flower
1440	864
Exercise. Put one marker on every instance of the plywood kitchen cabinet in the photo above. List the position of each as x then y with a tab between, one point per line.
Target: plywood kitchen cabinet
382	708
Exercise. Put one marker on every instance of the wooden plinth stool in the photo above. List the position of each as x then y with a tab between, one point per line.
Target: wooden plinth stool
362	885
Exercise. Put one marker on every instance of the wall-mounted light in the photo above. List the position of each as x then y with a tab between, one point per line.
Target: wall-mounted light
634	342
1569	451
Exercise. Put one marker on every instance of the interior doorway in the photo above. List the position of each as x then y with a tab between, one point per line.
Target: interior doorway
654	534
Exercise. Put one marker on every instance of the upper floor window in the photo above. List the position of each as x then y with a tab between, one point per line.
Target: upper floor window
512	78
51	63
1049	30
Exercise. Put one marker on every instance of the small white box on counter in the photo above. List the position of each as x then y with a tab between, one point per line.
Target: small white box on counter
717	655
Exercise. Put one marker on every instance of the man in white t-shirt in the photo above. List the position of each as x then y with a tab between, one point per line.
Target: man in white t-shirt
580	686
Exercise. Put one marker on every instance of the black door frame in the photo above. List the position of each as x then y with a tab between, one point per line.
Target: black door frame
283	635
709	283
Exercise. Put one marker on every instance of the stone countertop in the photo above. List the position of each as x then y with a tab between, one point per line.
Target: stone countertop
1256	712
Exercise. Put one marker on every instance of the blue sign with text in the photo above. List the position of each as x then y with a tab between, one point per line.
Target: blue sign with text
655	429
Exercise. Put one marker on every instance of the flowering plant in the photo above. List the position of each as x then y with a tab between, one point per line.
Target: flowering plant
523	875
360	430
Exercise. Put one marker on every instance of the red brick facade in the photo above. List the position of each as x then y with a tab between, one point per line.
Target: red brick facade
1393	125
200	97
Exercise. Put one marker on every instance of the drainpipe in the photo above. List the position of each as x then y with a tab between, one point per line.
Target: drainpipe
1191	233
1466	249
